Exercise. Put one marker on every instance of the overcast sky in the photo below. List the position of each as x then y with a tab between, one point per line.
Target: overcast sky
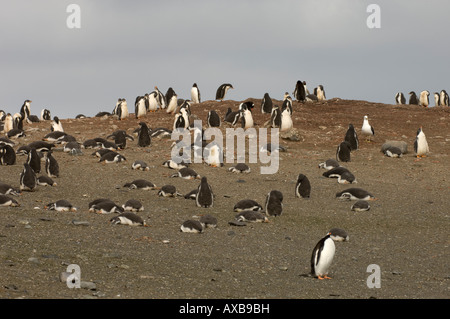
125	48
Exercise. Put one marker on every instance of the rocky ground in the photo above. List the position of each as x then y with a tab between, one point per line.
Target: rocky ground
405	232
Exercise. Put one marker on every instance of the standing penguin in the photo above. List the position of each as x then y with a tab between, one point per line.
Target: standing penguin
28	179
320	93
246	119
51	165
322	257
195	94
205	195
275	117
45	115
181	120
424	99
56	125
213	119
343	152
25	110
34	160
437	99
160	98
122	109
7	155
274	203
352	137
400	98
222	91
151	102
286	120
420	144
144	139
171	100
367	129
444	98
413	98
140	108
9	123
303	187
299	91
266	104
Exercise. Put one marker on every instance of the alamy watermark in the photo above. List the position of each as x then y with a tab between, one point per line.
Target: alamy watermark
374	19
74	279
374	279
259	149
73	21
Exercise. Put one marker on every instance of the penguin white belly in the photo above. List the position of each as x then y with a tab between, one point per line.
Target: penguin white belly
194	95
141	111
172	105
286	122
422	146
326	258
152	104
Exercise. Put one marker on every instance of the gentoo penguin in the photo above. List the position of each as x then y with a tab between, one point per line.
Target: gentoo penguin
54	137
400	98
120	138
239	168
367	129
112	157
6	189
266	104
168	191
343	152
6	141
444	101
222	91
393	151
80	116
41	146
8	123
311	98
246	119
247	204
98	200
287	103
27	178
213	119
171	100
122	109
128	218
140	165
320	93
181	120
329	164
343	175
56	125
248	105
209	221
272	148
8	201
133	205
140	108
251	216
420	144
355	194
192	226
286	120
274	203
186	173
44	180
100	152
106	207
205	195
141	184
15	133
191	195
275	117
413	98
160	132
360	206
45	115
174	165
51	165
61	205
195	94
322	257
7	155
424	98
25	110
232	117
34	160
72	147
437	99
151	102
302	187
144	138
299	91
338	234
352	137
160	98
213	155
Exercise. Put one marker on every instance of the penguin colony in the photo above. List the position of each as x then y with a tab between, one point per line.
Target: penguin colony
247	210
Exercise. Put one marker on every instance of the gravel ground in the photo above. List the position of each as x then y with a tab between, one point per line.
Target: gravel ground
405	232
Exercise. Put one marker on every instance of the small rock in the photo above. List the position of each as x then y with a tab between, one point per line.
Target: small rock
33	260
88	285
80	223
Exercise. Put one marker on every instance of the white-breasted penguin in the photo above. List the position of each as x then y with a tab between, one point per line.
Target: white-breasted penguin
209	221
355	194
186	173
61	205
275	117
56	125
27	178
251	216
437	99
106	207
352	137
44	180
34	160
360	206
213	155
320	93
8	123
222	91
128	218
112	157
174	165
343	175
213	119
343	152
339	234
274	203
25	110
181	120
367	129
239	168
195	94
299	91
424	98
171	100
140	165
303	187
8	201
322	257
168	191
286	120
266	104
6	189
232	117
120	138
192	226
133	205
205	195
246	119
329	164
400	98
45	115
51	165
122	109
144	138
247	204
413	100
444	100
420	144
7	155
141	184
393	151
160	98
140	107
